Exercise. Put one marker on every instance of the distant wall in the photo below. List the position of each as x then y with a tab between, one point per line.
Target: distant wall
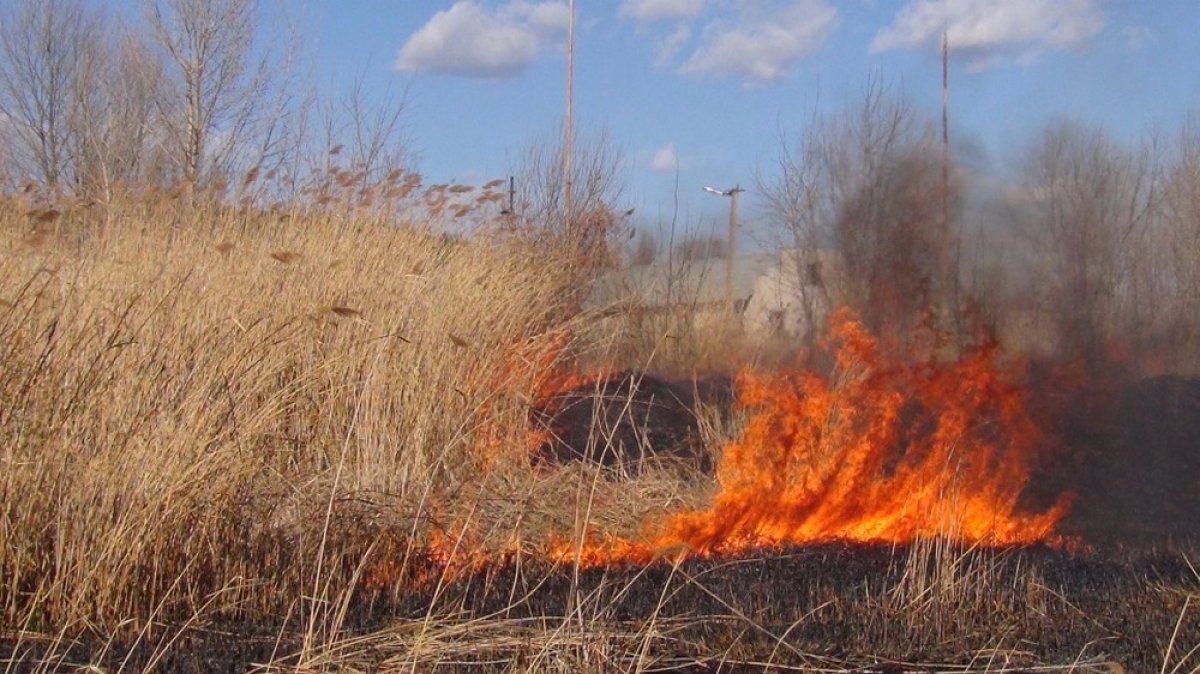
793	297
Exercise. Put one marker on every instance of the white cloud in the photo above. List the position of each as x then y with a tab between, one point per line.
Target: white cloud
665	159
763	47
472	41
670	45
658	10
989	31
548	19
1136	37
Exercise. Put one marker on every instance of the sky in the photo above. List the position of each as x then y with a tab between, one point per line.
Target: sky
700	92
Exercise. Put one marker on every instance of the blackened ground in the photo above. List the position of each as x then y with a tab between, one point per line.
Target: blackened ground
1133	462
835	600
628	419
1027	607
174	649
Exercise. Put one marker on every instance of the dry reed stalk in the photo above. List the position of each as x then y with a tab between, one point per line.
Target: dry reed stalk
174	415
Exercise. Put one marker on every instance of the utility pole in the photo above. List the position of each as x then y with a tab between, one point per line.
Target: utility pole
569	126
731	244
945	128
945	110
950	273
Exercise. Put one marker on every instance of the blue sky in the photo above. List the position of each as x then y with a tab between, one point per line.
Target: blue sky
708	85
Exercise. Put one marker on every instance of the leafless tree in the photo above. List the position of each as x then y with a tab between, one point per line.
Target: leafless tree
867	184
43	47
1180	239
118	134
1085	213
893	246
227	91
597	186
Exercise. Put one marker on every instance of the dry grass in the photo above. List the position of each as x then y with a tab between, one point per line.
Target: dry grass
208	408
212	417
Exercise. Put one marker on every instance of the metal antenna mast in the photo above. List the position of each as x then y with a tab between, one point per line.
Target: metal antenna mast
569	122
949	272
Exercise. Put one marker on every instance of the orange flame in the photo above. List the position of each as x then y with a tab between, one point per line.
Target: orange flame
880	451
537	367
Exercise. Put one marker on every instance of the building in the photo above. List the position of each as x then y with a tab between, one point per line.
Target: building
785	294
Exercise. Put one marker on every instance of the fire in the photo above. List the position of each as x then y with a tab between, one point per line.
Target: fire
537	366
881	450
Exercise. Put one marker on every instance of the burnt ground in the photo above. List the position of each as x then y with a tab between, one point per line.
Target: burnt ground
830	604
629	419
833	601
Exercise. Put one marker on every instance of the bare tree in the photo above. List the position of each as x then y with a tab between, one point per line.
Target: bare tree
226	91
892	243
868	186
118	134
43	46
1085	213
597	185
1179	239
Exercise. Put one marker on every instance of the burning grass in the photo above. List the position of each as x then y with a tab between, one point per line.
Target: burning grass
303	439
879	450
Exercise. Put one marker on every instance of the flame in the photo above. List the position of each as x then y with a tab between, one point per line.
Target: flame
538	367
880	451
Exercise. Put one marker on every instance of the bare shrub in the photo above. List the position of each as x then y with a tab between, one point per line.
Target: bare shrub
591	237
701	247
645	249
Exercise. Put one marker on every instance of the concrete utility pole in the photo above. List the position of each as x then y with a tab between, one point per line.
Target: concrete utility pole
731	244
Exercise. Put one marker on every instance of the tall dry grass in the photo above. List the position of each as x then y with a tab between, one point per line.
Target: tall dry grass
211	410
